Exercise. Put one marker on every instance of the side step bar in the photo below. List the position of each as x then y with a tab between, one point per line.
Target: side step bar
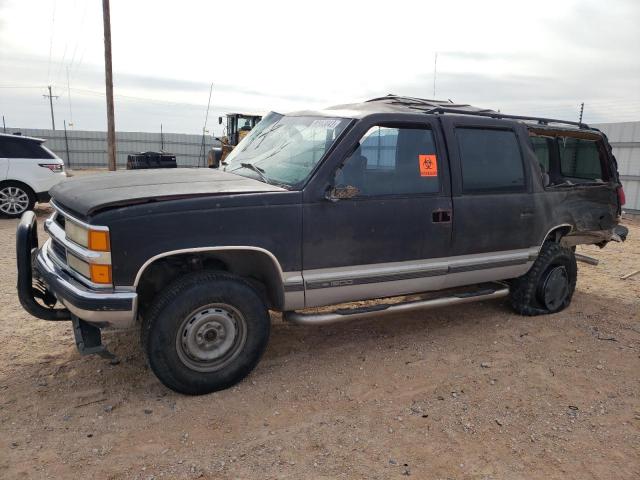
300	318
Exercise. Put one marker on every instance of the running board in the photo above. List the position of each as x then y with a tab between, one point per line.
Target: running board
379	310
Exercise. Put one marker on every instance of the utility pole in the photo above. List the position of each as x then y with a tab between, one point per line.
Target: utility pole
161	139
111	127
69	97
204	131
581	112
51	97
66	142
4	125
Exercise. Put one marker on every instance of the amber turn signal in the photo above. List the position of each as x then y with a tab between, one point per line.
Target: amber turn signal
100	273
99	240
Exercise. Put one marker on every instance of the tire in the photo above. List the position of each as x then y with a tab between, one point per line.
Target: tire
186	333
549	285
15	199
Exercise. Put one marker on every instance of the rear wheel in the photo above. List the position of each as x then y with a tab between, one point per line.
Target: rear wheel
205	332
549	285
15	199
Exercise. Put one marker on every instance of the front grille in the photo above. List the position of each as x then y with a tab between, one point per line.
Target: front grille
59	250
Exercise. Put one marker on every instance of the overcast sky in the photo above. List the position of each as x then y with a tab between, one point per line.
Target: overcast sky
541	58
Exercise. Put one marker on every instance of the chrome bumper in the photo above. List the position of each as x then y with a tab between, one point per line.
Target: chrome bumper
101	308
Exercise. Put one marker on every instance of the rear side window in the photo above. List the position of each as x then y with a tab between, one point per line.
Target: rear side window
491	160
21	148
392	161
580	158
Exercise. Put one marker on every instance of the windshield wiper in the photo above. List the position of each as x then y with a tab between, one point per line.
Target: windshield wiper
256	169
263	175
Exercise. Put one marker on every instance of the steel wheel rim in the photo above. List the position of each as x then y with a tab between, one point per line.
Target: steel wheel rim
210	337
13	200
555	287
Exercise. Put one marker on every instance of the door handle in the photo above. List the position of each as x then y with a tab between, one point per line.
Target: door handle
526	213
441	216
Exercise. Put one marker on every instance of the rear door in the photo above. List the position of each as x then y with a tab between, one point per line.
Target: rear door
383	240
494	213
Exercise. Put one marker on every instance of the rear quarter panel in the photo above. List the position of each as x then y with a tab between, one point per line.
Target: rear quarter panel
584	208
29	171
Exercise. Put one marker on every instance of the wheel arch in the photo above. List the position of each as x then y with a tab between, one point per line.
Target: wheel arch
22	182
257	265
557	232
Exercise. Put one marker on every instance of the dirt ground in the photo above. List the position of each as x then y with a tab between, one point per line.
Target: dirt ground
470	392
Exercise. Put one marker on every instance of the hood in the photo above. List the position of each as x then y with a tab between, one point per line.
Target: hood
85	195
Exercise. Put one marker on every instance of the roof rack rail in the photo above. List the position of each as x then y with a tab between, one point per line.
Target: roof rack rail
409	100
498	115
441	106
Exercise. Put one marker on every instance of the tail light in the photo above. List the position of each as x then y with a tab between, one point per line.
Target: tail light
54	167
621	197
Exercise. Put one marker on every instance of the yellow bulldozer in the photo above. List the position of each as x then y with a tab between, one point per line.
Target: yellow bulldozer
237	127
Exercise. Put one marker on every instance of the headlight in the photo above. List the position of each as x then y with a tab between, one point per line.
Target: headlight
77	233
92	239
97	240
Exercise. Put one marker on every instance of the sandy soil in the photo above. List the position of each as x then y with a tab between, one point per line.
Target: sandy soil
471	392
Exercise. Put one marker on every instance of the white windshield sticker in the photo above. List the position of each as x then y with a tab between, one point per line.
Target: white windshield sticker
325	123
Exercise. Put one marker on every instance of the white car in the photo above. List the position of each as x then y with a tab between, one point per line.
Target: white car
28	170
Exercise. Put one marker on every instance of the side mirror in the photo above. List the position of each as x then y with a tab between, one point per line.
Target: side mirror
219	120
341	192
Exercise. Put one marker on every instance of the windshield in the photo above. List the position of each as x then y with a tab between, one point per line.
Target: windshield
284	149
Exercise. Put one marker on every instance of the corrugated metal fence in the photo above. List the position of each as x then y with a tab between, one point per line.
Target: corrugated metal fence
89	149
625	140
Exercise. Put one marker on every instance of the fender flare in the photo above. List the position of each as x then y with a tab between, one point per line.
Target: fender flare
220	249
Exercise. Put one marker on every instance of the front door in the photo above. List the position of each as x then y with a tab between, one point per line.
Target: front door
383	239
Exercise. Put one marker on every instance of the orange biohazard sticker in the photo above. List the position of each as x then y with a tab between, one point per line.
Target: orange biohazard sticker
428	165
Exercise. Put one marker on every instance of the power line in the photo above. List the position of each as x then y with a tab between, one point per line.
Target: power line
61	63
435	70
53	24
80	34
23	86
158	101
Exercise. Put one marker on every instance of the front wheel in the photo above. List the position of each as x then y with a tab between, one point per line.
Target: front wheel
549	285
205	332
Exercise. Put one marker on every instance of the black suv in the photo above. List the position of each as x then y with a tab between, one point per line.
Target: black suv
392	197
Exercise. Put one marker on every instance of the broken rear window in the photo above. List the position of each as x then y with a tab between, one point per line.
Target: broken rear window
570	157
579	159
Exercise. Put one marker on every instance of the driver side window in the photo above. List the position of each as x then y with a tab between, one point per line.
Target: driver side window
392	161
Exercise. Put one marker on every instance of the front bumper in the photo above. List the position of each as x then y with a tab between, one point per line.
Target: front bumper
103	309
100	308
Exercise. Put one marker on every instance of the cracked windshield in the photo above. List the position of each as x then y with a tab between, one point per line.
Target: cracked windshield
283	150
